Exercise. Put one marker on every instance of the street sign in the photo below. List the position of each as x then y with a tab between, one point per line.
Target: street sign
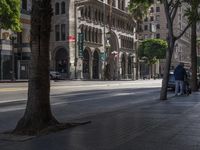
80	44
102	56
71	38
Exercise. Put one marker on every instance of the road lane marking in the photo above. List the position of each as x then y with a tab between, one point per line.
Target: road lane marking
12	89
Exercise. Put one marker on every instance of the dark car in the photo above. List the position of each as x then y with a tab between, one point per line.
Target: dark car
171	83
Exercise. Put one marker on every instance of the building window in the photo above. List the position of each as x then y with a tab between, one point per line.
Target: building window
157	9
63	8
157	17
57	9
119	4
24	4
146	27
151	18
114	3
82	12
63	34
151	10
123	4
89	12
158	36
158	26
57	32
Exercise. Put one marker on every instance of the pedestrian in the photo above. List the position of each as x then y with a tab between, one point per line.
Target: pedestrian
180	75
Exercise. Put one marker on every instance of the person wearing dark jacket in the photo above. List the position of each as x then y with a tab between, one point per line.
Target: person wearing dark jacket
180	75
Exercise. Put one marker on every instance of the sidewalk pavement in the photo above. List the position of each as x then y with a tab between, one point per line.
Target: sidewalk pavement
157	125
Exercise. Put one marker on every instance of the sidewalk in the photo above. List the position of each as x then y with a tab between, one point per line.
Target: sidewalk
159	125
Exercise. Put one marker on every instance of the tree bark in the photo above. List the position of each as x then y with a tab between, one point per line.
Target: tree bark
169	52
194	57
38	115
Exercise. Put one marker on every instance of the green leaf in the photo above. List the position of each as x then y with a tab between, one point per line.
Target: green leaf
152	49
10	15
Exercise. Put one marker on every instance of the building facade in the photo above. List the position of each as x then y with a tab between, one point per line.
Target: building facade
15	48
80	46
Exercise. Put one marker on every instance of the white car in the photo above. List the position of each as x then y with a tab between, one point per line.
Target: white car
54	75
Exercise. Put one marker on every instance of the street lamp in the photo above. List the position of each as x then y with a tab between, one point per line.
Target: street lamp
13	37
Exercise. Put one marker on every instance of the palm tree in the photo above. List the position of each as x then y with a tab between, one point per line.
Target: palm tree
38	115
138	10
194	16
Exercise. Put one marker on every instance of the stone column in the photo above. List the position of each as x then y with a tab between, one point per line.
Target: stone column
72	33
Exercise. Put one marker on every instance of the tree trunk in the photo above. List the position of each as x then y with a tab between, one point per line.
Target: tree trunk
38	114
169	52
194	56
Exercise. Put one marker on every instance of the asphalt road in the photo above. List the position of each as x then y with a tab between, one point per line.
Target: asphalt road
73	100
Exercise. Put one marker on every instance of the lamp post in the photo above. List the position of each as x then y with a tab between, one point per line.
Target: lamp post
13	36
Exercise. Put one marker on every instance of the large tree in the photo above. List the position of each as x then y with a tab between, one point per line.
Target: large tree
10	15
138	9
38	115
193	14
170	8
153	50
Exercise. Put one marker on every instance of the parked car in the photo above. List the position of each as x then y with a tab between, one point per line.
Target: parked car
54	75
171	82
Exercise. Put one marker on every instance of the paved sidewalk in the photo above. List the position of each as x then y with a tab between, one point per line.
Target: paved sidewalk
159	125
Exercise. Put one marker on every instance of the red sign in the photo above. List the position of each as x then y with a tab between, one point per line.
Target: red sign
71	38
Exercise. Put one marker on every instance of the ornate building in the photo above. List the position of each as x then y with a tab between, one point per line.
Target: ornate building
80	47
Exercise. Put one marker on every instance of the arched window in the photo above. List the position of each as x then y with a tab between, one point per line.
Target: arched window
86	12
96	36
100	36
102	17
86	34
86	61
82	12
95	65
123	4
89	12
63	8
96	15
129	66
114	3
57	9
99	16
93	35
89	34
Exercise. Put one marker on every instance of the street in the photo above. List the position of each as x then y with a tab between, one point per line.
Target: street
124	115
76	99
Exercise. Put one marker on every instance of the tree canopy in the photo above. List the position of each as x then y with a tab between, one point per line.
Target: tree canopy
152	49
10	15
138	9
